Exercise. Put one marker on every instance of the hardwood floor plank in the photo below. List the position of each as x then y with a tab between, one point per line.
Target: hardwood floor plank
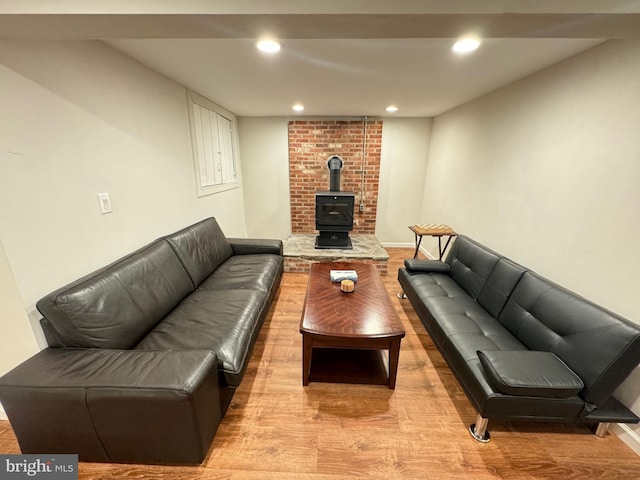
277	429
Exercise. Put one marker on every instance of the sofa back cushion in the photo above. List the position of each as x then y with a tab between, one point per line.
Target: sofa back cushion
201	248
471	264
117	305
600	346
500	284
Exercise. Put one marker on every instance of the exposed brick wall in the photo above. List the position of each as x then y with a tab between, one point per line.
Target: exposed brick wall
311	143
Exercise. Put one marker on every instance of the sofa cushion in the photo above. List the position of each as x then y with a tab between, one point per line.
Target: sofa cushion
467	344
201	248
246	272
471	264
226	322
499	286
433	285
529	373
117	305
600	346
457	315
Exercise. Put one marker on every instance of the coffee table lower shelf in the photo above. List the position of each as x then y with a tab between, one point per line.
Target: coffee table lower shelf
349	365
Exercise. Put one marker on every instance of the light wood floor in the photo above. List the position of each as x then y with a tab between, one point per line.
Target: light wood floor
277	429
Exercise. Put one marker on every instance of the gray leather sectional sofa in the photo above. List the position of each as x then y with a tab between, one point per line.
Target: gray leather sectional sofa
145	354
522	347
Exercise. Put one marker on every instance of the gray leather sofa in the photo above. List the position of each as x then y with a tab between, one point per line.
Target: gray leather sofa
522	347
145	354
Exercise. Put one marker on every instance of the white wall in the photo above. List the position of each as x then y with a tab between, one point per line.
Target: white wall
78	119
264	145
17	340
546	171
403	163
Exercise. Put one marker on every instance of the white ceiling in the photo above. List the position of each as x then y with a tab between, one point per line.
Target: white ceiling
338	57
346	77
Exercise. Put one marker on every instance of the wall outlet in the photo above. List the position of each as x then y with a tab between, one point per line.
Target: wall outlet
105	203
362	207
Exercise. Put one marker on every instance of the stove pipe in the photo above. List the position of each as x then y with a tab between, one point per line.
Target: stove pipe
335	165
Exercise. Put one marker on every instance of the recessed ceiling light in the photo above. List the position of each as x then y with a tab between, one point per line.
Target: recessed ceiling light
268	46
298	107
391	109
466	45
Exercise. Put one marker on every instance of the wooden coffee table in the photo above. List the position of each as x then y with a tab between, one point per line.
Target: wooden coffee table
345	335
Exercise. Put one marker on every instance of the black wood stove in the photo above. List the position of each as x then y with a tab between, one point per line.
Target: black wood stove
334	211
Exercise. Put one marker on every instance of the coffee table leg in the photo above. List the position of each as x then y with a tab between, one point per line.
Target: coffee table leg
394	354
306	358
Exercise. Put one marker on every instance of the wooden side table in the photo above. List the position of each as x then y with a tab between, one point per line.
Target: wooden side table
433	230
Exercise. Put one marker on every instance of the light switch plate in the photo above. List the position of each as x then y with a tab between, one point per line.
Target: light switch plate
105	203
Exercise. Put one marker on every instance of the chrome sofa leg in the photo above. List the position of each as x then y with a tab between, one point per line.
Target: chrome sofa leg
479	430
602	429
401	295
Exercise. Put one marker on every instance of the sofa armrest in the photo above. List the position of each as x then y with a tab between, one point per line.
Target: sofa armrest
104	368
115	405
246	246
426	266
529	373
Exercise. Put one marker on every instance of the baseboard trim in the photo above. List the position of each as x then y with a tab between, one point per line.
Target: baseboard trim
427	254
408	245
628	436
398	245
3	414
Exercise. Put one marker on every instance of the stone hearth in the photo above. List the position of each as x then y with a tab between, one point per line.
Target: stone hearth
300	253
